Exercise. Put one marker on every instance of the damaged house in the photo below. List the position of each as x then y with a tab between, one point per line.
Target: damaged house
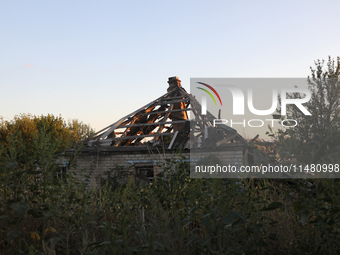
144	139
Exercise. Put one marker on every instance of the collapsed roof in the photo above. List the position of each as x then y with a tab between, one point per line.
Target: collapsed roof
172	121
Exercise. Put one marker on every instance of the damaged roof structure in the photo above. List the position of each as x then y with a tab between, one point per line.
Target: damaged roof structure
144	139
165	121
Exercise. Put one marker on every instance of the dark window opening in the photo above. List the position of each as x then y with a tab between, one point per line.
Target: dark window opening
144	174
62	172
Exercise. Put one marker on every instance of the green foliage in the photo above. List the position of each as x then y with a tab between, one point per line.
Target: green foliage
316	138
115	177
174	214
20	137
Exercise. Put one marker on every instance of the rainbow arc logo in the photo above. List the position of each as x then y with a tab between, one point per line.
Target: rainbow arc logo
204	102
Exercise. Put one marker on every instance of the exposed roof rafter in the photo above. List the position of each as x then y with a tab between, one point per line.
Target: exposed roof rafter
165	116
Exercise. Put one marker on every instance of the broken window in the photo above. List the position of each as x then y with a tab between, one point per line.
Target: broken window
62	172
144	174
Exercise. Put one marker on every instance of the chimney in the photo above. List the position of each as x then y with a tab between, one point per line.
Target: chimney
174	82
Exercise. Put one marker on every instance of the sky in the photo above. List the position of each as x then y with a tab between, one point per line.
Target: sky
97	61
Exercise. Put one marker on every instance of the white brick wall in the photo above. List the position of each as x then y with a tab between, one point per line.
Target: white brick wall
99	163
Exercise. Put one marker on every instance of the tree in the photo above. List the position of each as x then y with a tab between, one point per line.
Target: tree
24	133
316	138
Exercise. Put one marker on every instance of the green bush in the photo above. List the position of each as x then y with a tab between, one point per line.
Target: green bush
174	214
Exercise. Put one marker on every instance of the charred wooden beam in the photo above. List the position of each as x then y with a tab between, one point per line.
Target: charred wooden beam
137	119
171	101
144	129
162	125
175	110
140	136
155	123
175	97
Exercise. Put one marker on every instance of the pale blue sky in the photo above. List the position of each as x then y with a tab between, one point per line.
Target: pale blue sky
100	60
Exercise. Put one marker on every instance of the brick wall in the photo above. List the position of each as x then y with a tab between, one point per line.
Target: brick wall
96	163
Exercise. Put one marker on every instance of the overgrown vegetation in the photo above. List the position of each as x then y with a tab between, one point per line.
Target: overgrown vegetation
23	134
316	138
40	214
